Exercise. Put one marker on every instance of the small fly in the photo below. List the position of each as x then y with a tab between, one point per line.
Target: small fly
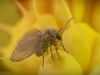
38	42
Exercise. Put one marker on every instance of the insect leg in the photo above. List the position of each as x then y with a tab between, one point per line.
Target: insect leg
63	46
56	48
47	52
42	51
51	52
43	60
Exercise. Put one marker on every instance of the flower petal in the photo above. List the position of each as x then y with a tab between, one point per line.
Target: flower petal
78	40
67	66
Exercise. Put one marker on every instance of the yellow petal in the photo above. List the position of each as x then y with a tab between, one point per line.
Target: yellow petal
43	6
95	70
78	40
96	17
95	62
61	11
78	9
46	21
26	3
67	66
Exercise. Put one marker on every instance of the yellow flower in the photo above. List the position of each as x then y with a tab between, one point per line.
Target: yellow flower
79	38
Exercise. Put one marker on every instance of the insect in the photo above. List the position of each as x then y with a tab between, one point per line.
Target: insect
38	42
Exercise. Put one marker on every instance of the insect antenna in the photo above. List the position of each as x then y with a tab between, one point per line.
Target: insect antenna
56	48
65	25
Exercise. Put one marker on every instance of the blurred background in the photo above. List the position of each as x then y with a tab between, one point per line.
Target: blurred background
9	16
87	11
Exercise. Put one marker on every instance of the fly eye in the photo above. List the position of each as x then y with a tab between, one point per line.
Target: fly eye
58	37
47	32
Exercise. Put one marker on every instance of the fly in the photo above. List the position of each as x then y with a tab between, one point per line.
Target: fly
38	42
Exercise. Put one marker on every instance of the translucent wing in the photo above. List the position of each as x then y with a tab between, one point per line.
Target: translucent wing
27	45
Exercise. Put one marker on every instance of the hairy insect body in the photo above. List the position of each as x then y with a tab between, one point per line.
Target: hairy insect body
50	37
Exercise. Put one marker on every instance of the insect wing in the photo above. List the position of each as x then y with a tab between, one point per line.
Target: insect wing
27	45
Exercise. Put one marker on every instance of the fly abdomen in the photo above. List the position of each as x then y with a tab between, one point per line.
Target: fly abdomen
44	44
